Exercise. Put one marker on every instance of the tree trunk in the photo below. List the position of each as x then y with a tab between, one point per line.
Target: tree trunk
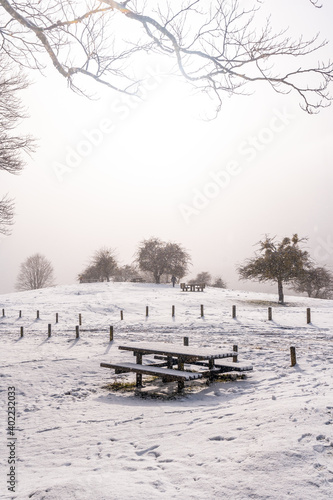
280	288
157	279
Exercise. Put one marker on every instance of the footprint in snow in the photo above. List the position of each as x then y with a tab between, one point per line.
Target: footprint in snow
149	451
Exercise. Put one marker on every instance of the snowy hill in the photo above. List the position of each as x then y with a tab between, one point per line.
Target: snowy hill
268	436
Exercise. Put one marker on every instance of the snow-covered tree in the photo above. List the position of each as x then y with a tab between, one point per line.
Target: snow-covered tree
279	262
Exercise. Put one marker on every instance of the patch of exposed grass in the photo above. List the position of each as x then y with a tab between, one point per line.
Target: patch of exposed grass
268	303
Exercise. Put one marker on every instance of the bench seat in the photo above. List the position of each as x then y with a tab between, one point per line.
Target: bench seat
231	366
151	370
166	374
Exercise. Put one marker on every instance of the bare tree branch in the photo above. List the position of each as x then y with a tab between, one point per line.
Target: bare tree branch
219	46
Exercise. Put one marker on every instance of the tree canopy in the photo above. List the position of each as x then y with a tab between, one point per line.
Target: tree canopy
219	46
316	282
159	258
102	267
280	262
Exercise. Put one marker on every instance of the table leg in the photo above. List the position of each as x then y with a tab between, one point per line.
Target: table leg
180	364
181	385
211	365
139	375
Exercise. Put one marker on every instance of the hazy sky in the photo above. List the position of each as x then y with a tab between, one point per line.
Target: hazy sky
114	171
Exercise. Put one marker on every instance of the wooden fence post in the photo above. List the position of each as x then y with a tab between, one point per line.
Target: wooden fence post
80	319
49	330
37	316
57	317
121	315
21	331
111	333
185	340
234	312
269	314
235	357
77	331
3	312
202	310
147	311
293	355
20	314
173	311
308	315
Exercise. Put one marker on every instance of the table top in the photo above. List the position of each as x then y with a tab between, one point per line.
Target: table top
177	350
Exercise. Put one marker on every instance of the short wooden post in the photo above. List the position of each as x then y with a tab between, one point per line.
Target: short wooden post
3	312
234	312
80	319
121	315
147	311
269	314
293	355
308	315
57	317
235	357
49	330
20	314
202	310
77	331
37	316
21	331
185	340
173	311
111	333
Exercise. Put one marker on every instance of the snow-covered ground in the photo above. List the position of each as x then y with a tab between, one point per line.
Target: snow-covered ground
268	436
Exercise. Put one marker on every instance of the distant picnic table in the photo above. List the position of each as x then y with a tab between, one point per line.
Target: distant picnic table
170	355
192	287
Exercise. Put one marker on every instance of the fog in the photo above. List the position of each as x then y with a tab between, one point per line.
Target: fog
113	170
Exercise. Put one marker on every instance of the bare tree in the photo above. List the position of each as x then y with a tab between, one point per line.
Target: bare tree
35	272
6	214
102	267
203	277
316	282
219	46
11	146
219	283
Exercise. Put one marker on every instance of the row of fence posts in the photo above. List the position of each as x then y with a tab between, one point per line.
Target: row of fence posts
185	342
234	314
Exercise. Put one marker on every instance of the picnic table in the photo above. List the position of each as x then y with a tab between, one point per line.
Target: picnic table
192	287
171	355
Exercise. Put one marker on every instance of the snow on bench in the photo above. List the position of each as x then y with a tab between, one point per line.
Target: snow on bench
152	370
167	374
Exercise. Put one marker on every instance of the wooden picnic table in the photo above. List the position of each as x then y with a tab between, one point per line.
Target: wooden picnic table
192	287
173	354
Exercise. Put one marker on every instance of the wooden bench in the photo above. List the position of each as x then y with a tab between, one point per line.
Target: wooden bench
165	373
224	366
193	287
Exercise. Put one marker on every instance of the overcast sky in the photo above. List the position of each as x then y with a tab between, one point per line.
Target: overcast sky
114	171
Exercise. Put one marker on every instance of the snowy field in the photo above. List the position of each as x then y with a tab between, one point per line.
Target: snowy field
267	436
